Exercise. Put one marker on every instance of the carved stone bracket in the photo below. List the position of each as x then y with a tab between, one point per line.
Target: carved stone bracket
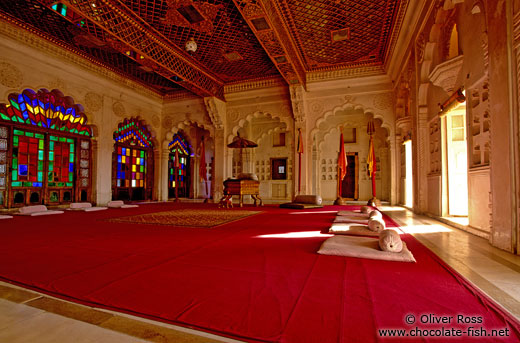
445	74
216	110
298	103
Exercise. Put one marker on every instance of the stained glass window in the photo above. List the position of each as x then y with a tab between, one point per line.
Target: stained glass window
179	146
39	136
27	160
61	162
131	167
132	156
45	109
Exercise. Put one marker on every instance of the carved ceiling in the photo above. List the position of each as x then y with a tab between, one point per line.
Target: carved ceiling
236	40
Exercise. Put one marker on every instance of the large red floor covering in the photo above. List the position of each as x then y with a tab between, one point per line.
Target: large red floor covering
255	279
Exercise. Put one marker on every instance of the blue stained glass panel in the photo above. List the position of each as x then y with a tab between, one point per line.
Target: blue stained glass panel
71	167
23	169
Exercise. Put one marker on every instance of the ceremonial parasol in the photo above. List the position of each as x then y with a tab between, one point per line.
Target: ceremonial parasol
241	143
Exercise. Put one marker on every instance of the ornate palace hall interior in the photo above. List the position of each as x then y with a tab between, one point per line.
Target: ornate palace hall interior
177	105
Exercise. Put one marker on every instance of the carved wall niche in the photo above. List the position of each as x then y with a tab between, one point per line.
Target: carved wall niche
479	125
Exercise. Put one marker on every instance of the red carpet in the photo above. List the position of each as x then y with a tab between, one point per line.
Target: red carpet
255	279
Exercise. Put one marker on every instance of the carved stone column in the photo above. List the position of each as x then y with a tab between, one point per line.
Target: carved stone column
420	165
163	175
395	164
217	112
300	123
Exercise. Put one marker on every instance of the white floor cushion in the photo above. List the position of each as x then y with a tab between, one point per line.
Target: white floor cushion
362	247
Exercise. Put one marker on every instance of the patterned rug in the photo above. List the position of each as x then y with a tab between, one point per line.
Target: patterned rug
186	217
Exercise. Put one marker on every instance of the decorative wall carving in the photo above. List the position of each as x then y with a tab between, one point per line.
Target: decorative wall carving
10	75
383	101
216	111
156	121
93	102
479	125
119	109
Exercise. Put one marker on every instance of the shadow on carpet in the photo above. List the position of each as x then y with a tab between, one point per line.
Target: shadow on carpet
186	217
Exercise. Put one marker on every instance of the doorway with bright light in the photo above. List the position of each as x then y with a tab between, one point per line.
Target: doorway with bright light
456	162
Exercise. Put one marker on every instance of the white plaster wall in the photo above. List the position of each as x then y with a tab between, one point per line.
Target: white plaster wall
478	206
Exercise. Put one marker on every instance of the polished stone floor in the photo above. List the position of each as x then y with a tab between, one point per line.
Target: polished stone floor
26	316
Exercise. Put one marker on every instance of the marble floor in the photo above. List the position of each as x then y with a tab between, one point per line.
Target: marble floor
27	316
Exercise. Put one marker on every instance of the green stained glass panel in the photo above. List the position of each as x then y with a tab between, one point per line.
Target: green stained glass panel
52	184
70	177
51	155
61	184
15	175
40	144
71	158
69	184
40	165
16	184
62	139
29	134
40	155
51	146
142	154
15	141
18	132
51	166
39	135
40	176
15	163
70	140
54	138
27	184
142	169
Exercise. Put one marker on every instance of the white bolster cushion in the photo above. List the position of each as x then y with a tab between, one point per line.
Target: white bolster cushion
375	214
308	199
389	240
365	209
33	209
80	205
376	224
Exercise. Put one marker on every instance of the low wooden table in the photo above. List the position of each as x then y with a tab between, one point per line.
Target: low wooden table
240	188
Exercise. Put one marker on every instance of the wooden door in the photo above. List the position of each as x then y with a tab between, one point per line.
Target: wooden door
349	184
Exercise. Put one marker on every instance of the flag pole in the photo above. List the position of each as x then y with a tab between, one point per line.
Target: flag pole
342	169
300	152
371	162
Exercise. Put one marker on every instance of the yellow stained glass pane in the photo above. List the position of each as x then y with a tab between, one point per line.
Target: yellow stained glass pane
123	159
133	168
142	183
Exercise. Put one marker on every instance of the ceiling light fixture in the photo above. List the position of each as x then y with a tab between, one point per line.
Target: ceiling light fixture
191	46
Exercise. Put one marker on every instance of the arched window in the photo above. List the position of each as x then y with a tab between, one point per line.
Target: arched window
45	142
179	171
453	49
132	172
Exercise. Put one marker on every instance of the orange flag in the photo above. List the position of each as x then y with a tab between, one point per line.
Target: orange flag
342	159
300	142
176	161
371	161
202	165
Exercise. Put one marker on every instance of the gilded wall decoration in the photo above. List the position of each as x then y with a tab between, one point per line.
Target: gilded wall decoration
10	75
93	102
119	109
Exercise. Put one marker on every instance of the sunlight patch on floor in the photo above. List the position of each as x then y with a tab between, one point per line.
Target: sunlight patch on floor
304	234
